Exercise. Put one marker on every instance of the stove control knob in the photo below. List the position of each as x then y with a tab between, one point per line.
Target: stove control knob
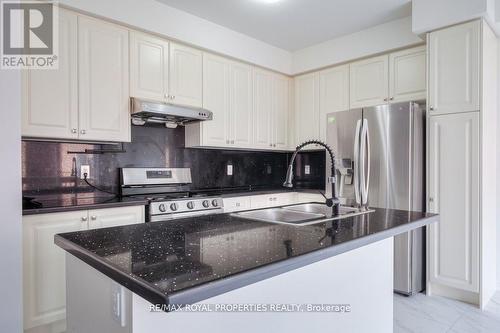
162	208
206	204
215	203
190	205
174	207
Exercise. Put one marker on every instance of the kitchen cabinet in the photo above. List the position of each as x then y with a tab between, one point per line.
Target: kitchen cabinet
307	110
149	67
44	263
50	97
103	69
369	82
280	122
186	75
236	204
407	75
227	87
263	108
334	94
87	98
454	194
454	69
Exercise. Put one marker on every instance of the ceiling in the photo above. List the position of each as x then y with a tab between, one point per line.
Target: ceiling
295	24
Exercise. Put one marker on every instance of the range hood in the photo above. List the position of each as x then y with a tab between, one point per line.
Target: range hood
144	111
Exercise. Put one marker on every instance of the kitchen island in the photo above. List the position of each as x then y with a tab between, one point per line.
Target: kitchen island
222	273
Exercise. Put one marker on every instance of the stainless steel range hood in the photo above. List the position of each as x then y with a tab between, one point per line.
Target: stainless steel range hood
144	111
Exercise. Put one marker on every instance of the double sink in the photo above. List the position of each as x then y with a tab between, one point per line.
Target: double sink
301	214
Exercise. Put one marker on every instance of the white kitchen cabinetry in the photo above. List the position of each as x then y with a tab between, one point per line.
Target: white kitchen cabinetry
461	169
334	93
227	87
307	111
50	97
235	204
148	67
281	112
262	108
454	70
44	263
369	82
103	69
407	79
454	194
186	75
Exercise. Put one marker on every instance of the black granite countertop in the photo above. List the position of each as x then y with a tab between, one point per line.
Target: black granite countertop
188	260
73	202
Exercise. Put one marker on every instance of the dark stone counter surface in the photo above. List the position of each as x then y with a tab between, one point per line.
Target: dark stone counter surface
188	260
74	202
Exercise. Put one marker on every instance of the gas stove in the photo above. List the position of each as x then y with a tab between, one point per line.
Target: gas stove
167	192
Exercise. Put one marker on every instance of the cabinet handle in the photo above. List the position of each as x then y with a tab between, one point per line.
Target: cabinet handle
431	108
74	131
274	145
172	97
385	99
82	131
270	145
232	142
84	219
93	218
392	98
431	199
227	141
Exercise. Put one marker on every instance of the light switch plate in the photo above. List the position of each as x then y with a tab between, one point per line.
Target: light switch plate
85	169
229	169
307	170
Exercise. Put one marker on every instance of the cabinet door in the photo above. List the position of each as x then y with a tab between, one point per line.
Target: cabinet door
148	67
50	97
369	82
281	112
241	101
44	282
454	69
216	99
454	195
104	81
263	108
334	93
186	75
407	75
307	107
236	204
114	217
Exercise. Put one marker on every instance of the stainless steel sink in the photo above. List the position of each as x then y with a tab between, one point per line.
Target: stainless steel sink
300	215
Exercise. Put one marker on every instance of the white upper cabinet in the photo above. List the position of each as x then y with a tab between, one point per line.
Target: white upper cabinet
241	105
148	67
453	193
307	116
216	99
263	108
186	75
369	82
334	93
103	69
407	70
454	69
50	97
281	112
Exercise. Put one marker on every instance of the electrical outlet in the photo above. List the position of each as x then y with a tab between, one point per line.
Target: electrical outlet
85	169
229	170
307	170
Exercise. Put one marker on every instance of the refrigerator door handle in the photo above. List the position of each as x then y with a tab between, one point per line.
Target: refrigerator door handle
356	163
365	161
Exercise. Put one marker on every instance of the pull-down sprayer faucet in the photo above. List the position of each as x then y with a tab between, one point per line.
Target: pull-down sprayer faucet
333	201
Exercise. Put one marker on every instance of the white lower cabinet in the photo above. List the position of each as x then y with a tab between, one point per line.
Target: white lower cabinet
44	282
453	193
236	204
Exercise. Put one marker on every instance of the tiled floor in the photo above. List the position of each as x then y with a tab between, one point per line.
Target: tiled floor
425	314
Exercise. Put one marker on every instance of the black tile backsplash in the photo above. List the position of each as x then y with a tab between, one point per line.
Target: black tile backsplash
48	168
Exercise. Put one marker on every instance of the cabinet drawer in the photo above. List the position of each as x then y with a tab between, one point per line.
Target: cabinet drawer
236	204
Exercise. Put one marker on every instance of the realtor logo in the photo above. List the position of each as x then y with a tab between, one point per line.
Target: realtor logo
29	35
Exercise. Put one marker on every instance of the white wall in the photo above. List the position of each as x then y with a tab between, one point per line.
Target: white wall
498	178
158	18
378	39
10	203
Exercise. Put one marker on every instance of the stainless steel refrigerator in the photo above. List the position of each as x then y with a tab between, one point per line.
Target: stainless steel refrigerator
381	163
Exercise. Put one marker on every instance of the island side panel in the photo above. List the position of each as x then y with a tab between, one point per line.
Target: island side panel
362	278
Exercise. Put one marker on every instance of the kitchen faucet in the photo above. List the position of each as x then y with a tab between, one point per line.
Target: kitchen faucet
330	202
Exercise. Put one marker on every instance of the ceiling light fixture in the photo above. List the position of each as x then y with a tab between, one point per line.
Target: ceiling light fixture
268	1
